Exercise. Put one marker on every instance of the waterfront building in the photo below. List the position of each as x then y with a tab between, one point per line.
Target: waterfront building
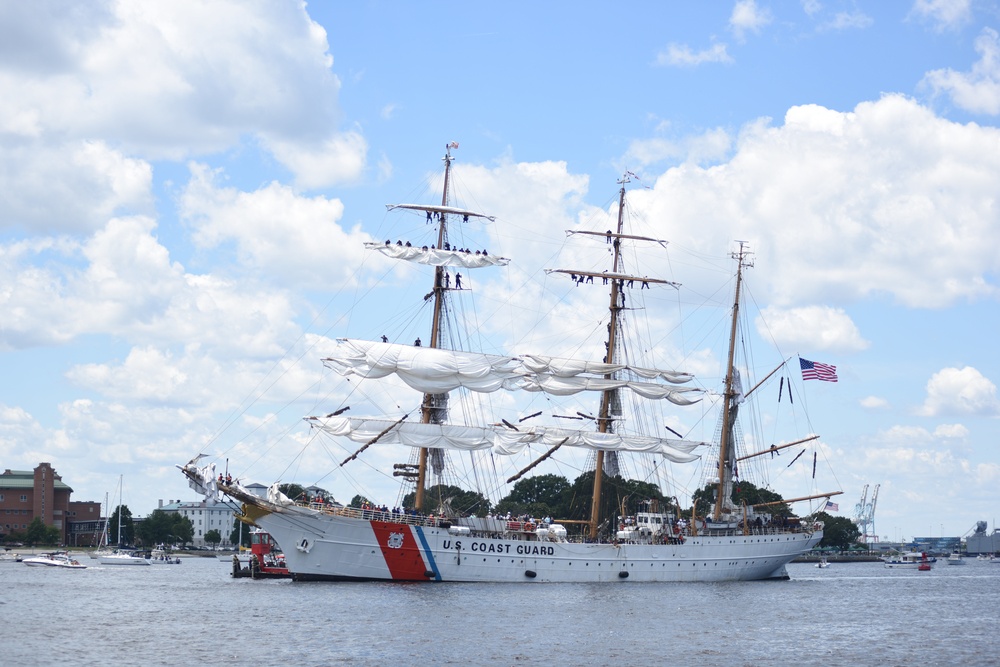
204	516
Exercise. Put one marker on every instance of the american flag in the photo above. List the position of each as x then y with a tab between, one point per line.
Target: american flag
833	507
813	370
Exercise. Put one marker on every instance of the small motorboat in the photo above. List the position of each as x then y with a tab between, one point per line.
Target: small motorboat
823	562
55	559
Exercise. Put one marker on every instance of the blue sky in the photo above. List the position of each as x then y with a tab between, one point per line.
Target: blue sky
185	189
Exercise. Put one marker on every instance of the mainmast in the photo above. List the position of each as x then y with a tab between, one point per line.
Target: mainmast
433	402
603	419
730	405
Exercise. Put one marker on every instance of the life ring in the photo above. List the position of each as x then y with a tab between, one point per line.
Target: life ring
529	527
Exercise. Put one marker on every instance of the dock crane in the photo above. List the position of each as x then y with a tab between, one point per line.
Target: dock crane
864	515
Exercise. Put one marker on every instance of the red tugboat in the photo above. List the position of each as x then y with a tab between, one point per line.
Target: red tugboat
266	560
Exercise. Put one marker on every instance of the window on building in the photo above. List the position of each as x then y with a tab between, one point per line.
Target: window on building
24	497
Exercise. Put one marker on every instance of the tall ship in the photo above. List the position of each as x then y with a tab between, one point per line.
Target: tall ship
618	530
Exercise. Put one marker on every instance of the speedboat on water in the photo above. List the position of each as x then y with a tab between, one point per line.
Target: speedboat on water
55	559
473	418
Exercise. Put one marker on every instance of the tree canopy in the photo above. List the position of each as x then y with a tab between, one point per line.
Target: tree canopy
162	527
127	536
838	532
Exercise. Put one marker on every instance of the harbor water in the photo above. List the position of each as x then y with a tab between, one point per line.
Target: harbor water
195	613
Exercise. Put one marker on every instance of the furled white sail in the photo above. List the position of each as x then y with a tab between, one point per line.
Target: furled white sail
438	257
448	210
567	386
426	369
678	451
503	441
569	367
411	434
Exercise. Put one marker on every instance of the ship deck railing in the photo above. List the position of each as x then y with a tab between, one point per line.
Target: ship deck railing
517	529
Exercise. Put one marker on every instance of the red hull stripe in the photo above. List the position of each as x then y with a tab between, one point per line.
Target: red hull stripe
400	550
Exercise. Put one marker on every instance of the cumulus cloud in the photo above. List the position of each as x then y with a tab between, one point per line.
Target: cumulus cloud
295	240
874	403
977	91
818	327
842	205
960	391
169	80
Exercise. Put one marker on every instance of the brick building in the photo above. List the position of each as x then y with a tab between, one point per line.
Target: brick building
26	494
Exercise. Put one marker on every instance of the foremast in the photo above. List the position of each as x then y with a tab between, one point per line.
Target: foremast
433	406
731	397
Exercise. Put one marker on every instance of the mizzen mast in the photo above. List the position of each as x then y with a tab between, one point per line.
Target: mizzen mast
730	404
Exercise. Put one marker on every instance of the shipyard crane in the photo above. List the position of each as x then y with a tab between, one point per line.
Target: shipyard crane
864	515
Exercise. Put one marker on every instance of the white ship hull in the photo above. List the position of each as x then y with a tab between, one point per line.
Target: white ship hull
325	546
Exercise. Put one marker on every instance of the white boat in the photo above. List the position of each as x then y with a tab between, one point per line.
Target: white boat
163	557
428	542
8	556
55	559
823	563
124	557
955	558
912	560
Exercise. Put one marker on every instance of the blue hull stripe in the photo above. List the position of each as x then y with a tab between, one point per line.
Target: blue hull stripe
427	550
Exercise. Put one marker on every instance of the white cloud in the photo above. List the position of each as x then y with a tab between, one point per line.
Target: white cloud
874	403
848	21
710	147
748	17
841	206
811	327
951	431
294	240
979	90
169	80
681	55
960	391
942	14
72	187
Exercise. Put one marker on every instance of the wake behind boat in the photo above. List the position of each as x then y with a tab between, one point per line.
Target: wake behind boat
641	536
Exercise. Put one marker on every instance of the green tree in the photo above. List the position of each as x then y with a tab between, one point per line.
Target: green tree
39	533
162	527
127	526
240	534
359	500
743	492
838	532
544	495
440	497
213	537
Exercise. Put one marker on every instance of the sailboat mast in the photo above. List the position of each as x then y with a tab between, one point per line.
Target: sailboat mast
729	402
427	406
603	419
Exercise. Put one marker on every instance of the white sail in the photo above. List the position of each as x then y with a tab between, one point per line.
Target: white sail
411	434
678	451
448	210
503	441
438	257
426	369
567	386
560	367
